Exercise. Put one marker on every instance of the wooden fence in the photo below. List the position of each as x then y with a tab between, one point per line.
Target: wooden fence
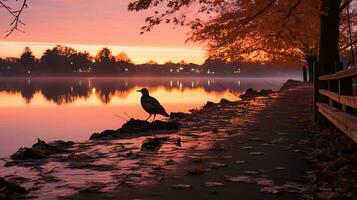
340	104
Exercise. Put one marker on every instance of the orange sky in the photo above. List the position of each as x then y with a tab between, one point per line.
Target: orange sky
92	24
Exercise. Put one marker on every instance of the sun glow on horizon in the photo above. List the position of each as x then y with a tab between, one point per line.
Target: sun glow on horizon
138	54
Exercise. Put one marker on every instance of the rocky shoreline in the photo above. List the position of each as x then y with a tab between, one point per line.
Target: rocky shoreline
174	133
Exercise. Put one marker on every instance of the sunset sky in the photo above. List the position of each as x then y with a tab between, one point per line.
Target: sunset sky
90	25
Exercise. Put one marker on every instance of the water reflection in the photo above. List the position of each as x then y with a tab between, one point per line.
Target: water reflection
66	91
74	108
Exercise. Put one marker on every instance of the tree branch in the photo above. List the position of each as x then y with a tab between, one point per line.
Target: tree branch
16	14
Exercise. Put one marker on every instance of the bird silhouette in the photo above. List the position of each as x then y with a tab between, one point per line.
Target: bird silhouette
151	105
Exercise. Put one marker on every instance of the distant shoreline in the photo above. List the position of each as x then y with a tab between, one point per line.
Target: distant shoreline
149	76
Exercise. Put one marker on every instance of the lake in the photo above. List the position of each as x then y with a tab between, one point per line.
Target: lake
74	108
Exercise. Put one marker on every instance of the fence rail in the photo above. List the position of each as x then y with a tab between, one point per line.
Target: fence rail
340	107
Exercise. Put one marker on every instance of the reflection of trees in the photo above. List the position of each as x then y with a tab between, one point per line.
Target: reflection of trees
65	91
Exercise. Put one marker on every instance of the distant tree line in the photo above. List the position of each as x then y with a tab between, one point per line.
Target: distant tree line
66	61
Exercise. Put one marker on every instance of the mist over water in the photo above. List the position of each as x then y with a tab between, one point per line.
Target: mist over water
74	108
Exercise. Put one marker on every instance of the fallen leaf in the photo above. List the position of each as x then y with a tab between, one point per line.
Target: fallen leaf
241	179
280	168
251	172
196	170
213	184
182	186
257	153
273	190
218	147
215	165
264	182
256	139
227	157
327	195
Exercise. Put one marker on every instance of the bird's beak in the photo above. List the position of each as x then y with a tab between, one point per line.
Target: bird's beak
138	90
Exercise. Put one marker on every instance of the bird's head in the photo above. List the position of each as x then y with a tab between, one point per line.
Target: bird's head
144	91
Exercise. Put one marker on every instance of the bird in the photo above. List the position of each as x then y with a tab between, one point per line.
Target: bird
151	105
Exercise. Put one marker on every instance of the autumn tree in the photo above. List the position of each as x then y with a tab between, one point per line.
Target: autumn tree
151	62
123	57
104	61
263	30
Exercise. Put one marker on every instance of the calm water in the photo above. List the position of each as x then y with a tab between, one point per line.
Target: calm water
73	108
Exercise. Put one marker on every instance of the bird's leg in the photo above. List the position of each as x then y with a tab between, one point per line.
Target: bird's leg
154	118
148	117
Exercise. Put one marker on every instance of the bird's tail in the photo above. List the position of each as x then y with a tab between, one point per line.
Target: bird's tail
166	114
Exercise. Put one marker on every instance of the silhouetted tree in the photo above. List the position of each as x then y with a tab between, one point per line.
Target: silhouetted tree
104	61
27	60
81	62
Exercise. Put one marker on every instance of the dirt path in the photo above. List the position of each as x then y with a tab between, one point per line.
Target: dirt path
256	153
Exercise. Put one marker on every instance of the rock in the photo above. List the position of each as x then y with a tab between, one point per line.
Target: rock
290	84
249	93
27	153
209	104
225	102
38	151
104	134
153	144
178	142
265	92
10	190
161	125
175	115
135	126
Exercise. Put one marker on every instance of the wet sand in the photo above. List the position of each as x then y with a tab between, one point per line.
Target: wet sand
250	150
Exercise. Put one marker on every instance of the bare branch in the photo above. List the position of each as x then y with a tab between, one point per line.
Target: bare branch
16	22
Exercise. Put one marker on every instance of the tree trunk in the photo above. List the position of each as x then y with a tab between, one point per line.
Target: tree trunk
328	60
304	73
311	60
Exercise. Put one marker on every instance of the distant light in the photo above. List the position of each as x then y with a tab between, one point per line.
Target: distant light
177	70
29	72
171	70
126	69
192	69
71	63
93	90
181	68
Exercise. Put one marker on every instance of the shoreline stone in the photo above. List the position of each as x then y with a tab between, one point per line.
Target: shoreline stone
134	126
10	190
